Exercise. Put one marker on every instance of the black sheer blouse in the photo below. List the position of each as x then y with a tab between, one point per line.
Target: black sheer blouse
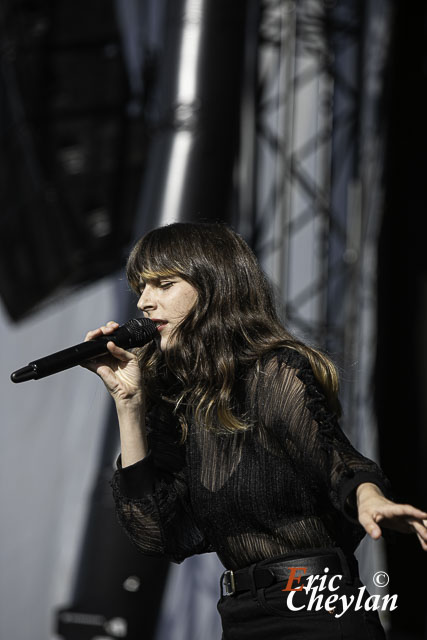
284	485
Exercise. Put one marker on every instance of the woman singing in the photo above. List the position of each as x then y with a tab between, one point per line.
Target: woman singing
230	443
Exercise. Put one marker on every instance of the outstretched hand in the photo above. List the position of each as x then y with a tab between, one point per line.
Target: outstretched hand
376	511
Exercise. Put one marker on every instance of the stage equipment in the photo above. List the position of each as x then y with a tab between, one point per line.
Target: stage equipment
72	149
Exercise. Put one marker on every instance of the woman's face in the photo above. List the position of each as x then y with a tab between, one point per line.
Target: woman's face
166	301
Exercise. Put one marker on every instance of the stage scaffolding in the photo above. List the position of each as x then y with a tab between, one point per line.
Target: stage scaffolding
311	204
310	194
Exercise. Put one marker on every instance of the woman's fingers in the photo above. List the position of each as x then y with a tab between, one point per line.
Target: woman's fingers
422	542
119	353
110	327
420	529
371	527
408	509
117	368
95	363
384	508
112	363
368	521
401	517
398	512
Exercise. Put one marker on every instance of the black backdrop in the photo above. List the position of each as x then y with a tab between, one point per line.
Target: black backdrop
401	373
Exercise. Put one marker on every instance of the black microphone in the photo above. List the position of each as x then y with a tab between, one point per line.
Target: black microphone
134	333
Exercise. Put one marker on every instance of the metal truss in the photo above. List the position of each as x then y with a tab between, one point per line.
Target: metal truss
293	160
317	156
315	205
317	195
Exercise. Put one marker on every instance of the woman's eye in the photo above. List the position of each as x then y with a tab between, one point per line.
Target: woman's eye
166	285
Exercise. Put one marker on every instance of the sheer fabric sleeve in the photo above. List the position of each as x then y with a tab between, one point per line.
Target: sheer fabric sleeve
296	413
152	499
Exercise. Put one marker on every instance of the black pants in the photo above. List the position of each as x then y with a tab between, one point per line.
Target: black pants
267	613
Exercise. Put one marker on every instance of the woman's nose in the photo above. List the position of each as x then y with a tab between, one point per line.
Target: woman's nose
147	299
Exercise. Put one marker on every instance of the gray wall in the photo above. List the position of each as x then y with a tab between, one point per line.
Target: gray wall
50	433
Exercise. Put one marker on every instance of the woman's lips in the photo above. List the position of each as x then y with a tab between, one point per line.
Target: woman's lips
160	325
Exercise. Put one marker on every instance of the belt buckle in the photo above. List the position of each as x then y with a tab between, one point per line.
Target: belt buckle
228	582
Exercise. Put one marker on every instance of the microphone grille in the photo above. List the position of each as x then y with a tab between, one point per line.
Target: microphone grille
141	331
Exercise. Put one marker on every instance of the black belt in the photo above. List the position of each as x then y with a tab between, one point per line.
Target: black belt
268	572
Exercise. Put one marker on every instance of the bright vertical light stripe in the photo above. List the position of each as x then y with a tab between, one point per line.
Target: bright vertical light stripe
175	177
189	56
190	50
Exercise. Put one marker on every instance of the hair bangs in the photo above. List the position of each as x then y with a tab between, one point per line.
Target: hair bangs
154	257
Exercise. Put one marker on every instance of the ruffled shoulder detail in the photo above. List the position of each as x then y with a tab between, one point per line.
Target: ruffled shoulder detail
350	467
314	400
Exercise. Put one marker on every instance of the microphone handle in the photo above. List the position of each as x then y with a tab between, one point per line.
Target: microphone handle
71	357
67	358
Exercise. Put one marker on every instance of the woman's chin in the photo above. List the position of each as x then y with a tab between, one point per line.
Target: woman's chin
163	343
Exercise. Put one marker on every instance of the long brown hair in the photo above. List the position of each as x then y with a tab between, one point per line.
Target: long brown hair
233	322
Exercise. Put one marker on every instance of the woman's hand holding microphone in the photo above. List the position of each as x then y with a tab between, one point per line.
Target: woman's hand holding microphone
121	374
